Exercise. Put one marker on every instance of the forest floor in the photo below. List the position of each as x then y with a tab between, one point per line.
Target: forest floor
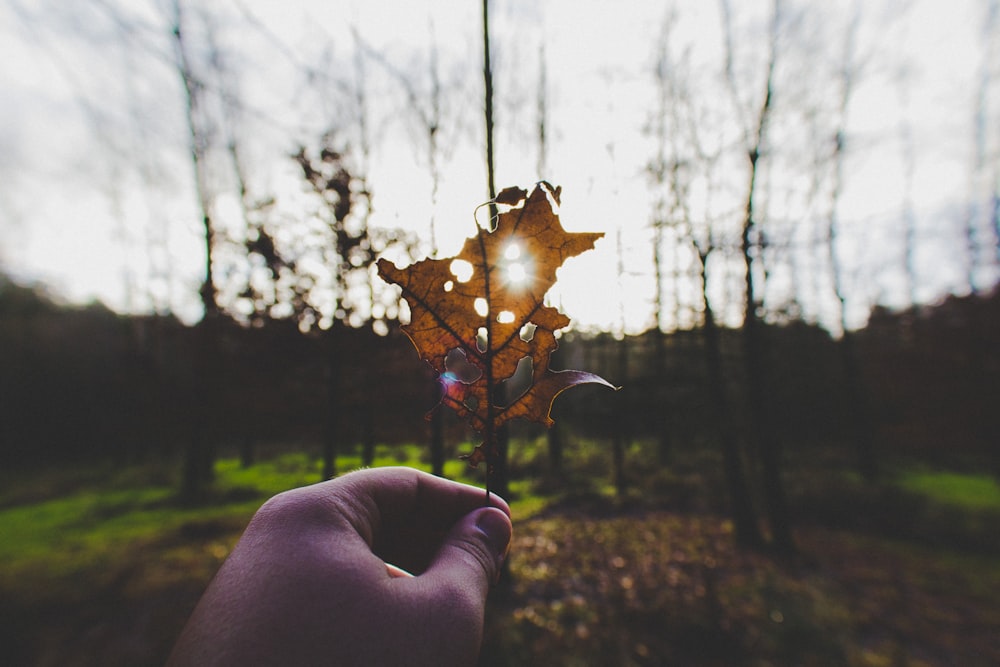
101	566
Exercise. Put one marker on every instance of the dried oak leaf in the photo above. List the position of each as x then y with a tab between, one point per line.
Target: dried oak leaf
476	316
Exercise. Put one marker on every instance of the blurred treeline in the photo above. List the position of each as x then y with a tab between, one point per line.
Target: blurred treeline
83	384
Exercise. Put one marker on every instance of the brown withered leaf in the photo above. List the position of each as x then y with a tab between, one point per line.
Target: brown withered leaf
474	317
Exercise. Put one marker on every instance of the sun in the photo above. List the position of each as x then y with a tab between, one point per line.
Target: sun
515	269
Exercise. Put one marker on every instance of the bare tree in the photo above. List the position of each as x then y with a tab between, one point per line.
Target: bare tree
760	429
318	271
681	155
858	406
199	455
621	438
908	212
253	208
741	506
200	136
658	170
347	248
555	437
542	115
984	198
902	79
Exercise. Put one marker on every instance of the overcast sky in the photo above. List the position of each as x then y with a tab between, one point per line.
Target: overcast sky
96	195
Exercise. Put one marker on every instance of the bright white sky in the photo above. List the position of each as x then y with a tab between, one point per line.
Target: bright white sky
94	184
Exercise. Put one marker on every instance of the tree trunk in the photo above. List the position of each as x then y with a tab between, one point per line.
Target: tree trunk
247	451
860	407
199	455
618	461
765	442
622	438
760	430
859	415
741	507
331	435
664	433
554	437
437	432
760	427
368	442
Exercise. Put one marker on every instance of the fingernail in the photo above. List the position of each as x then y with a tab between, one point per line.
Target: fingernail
397	572
496	526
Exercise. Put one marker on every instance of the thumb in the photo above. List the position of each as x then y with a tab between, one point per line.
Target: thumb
474	549
455	586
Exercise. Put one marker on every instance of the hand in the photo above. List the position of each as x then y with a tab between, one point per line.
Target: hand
315	578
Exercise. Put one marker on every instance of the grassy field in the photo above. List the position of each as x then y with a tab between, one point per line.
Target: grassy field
102	565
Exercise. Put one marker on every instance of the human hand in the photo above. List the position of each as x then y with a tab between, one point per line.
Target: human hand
311	583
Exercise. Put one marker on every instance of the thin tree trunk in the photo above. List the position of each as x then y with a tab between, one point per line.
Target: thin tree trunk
542	112
907	144
658	173
664	418
555	434
741	507
995	214
437	443
760	428
664	440
981	212
198	455
331	435
554	437
621	438
432	124
368	445
247	451
860	412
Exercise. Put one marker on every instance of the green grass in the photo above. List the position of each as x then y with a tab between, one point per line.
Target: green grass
70	522
966	491
91	526
83	540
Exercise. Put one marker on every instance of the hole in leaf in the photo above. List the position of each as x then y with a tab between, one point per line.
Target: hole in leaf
471	403
449	285
481	306
481	339
528	332
513	387
459	368
462	270
505	317
513	251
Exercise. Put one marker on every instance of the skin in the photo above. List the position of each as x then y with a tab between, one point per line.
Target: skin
320	577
